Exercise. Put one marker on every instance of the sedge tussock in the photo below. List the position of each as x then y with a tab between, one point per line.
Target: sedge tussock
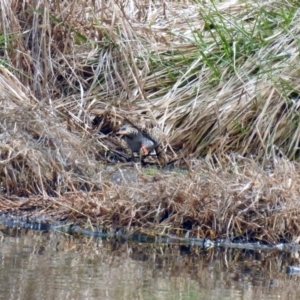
237	200
217	77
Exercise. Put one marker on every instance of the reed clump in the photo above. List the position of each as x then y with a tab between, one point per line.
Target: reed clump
218	77
239	200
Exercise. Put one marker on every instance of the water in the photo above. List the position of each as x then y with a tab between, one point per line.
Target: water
50	265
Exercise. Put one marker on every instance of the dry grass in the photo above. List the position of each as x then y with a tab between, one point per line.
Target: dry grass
239	200
218	77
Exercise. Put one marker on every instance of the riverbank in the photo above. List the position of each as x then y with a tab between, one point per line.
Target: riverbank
240	200
220	79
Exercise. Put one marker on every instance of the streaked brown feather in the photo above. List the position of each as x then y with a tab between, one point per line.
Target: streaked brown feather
140	136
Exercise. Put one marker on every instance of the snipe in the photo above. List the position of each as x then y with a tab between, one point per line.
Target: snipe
141	138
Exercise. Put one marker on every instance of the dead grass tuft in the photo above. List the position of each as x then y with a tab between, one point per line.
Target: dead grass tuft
217	77
239	200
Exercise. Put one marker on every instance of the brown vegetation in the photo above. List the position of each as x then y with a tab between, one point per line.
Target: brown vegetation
218	78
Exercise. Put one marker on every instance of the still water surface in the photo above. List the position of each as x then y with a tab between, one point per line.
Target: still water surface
51	265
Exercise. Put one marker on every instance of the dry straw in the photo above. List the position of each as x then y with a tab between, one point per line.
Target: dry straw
218	77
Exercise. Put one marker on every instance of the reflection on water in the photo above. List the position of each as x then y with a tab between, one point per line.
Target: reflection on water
41	265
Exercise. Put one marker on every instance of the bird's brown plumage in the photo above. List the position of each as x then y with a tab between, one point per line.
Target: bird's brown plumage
140	137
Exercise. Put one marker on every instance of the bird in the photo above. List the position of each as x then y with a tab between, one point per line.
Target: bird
141	138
